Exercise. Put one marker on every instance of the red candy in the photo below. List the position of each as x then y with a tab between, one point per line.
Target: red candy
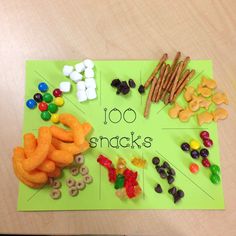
208	143
57	92
194	168
206	163
204	135
112	174
43	106
104	161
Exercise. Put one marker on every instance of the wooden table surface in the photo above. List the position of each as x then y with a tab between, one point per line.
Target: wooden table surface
112	29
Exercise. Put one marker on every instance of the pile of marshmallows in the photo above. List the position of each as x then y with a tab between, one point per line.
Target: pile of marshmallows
86	89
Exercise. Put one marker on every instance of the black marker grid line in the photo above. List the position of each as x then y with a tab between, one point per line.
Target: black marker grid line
100	95
199	187
35	193
55	87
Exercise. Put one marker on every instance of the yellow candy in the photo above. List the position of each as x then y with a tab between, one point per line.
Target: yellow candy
59	101
121	166
55	118
139	162
195	145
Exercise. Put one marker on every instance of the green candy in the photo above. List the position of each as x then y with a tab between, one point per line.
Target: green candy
215	169
45	115
215	179
47	97
52	107
120	181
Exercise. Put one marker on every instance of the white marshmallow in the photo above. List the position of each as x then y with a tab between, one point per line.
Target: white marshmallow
67	70
81	86
91	93
80	67
89	73
90	83
76	76
82	96
65	86
88	63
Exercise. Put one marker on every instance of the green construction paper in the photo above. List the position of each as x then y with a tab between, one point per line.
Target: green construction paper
167	135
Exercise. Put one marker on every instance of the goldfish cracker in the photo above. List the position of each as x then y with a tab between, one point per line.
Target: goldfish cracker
34	176
30	144
220	114
175	110
47	166
77	129
62	157
220	98
204	117
185	115
210	83
55	174
189	92
40	154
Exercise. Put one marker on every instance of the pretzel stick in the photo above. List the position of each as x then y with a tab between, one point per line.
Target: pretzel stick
162	60
158	82
185	74
176	59
149	98
170	81
183	84
162	83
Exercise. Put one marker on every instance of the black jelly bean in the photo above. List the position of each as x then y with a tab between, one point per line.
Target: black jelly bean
132	83
166	164
115	83
172	191
141	89
170	179
180	193
171	171
163	174
158	188
176	198
155	160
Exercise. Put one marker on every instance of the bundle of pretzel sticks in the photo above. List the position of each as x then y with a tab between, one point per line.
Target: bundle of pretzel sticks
167	81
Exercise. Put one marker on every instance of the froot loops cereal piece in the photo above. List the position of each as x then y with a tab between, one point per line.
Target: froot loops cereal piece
74	170
80	185
73	191
40	154
88	179
55	194
56	184
70	182
79	159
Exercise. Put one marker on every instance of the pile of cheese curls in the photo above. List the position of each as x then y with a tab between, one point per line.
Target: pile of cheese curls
54	149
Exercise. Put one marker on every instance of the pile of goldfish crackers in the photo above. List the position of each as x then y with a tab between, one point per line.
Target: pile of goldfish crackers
54	149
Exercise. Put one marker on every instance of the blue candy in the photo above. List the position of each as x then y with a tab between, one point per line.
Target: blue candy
43	87
31	104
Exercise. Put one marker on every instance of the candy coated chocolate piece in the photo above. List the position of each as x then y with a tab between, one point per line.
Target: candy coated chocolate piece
215	169
43	87
45	115
43	106
55	118
215	179
195	154
141	89
206	162
59	101
185	147
131	83
104	161
204	153
170	179
38	97
204	135
47	97
208	143
195	145
155	160
194	168
57	92
158	188
52	108
31	104
172	191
